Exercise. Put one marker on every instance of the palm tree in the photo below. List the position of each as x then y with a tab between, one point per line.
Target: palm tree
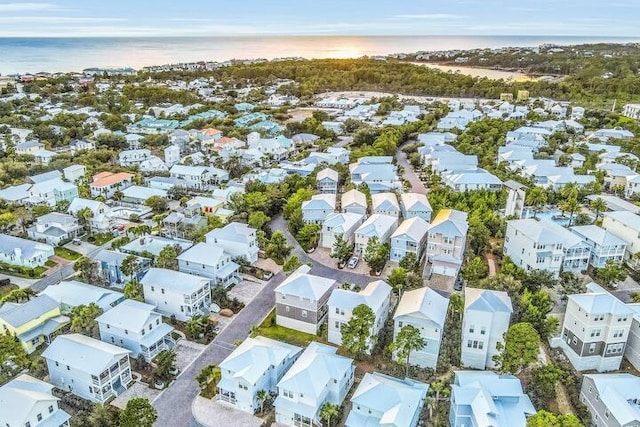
598	206
328	411
536	198
570	191
262	396
571	206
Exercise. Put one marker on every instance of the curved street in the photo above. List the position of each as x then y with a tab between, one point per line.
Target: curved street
174	403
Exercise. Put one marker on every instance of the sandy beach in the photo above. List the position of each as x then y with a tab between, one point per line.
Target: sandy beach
478	72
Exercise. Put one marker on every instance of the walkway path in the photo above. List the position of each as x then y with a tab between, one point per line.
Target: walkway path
417	186
491	262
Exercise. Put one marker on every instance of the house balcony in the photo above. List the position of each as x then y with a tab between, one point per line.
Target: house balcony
157	340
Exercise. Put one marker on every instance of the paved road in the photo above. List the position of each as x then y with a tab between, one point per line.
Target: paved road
62	272
174	404
417	186
319	269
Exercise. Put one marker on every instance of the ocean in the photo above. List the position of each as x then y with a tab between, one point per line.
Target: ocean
30	55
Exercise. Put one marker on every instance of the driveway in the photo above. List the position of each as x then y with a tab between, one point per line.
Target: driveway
211	413
186	352
320	267
137	389
174	403
417	186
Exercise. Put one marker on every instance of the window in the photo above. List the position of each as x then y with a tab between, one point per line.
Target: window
304	313
471	329
153	289
68	368
574	341
39	417
57	364
592	347
469	343
113	340
126	332
475	343
27	424
337	310
162	290
121	342
480	345
618	333
337	324
286	309
595	333
158	321
606	414
108	327
483	330
150	326
400	324
50	409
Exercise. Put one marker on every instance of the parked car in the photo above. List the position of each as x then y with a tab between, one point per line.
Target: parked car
458	284
76	242
353	261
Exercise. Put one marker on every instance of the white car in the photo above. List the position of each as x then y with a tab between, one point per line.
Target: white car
353	261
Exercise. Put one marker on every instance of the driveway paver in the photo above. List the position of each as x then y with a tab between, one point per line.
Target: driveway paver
138	389
211	413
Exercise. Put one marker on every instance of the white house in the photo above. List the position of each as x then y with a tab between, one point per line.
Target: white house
176	294
343	224
23	252
377	225
315	211
446	241
54	228
612	399
72	293
27	401
415	204
381	400
385	204
128	158
301	300
317	377
595	330
377	172
99	219
488	399
74	173
237	239
199	177
137	327
211	261
327	181
376	295
89	368
426	310
471	180
545	245
409	237
632	351
605	246
486	319
354	201
626	226
257	364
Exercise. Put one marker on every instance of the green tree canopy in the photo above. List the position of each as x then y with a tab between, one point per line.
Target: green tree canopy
138	413
521	347
357	336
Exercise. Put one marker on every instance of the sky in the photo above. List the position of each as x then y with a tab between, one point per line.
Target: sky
108	18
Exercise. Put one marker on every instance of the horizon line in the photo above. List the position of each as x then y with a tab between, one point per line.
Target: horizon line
290	35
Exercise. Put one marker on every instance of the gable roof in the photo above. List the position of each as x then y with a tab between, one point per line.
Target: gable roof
174	281
305	285
377	225
598	301
398	400
450	222
373	295
415	202
129	314
84	353
617	392
352	197
20	395
415	227
316	367
424	303
75	293
251	359
487	300
17	315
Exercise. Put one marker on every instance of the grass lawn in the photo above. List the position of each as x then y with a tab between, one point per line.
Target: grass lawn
269	329
66	253
100	239
5	289
50	263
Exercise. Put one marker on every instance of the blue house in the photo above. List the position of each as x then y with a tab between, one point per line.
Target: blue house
110	263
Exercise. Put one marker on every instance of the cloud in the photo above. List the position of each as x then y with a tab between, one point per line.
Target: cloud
429	16
27	7
56	20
